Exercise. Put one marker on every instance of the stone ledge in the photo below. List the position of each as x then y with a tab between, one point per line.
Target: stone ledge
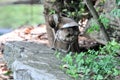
32	61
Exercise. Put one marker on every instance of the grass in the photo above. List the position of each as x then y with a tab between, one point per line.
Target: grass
13	16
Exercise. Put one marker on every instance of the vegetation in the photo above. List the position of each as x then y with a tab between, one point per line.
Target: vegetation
16	15
102	64
96	65
95	27
70	9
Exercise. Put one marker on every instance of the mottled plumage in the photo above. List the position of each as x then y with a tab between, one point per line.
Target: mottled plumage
65	29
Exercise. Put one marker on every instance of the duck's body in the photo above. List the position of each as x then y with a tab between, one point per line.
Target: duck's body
65	29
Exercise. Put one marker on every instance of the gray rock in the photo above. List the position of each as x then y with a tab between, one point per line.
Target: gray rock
32	61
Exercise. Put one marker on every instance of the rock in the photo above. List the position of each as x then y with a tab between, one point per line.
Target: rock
113	29
32	61
114	26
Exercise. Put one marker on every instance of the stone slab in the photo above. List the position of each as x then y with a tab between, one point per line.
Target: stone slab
33	61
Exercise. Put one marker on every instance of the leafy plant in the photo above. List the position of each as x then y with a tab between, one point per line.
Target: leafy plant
74	9
95	27
52	11
104	20
115	12
118	2
95	65
72	69
57	54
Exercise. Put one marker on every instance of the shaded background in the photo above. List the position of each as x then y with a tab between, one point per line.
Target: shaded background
16	13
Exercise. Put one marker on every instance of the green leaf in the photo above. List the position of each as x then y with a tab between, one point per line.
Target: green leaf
118	2
116	72
100	77
115	12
